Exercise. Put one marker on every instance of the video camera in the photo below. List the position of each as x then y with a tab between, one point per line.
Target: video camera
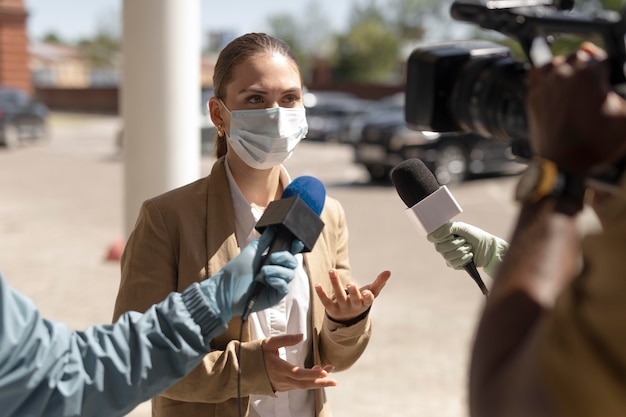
479	86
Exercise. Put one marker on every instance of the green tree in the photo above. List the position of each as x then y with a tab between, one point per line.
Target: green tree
369	52
286	28
308	37
102	51
599	4
53	37
410	16
613	4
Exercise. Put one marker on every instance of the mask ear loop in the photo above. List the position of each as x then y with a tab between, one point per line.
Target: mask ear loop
222	103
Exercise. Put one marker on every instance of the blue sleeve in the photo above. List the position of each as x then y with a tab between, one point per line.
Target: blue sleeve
106	370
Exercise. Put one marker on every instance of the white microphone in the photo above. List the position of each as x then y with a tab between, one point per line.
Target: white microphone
429	205
434	210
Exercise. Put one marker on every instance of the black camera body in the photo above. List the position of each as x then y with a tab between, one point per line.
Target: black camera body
471	86
479	86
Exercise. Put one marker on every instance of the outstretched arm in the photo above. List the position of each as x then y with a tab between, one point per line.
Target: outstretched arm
106	370
540	262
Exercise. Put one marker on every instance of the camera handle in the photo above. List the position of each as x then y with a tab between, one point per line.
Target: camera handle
528	23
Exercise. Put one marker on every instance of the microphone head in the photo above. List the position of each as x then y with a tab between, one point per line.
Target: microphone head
413	181
310	190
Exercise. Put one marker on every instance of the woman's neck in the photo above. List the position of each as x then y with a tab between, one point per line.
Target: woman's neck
259	187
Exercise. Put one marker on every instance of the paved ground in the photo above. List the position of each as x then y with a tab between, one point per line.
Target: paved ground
61	209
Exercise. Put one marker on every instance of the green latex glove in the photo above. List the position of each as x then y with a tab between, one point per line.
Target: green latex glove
228	290
459	243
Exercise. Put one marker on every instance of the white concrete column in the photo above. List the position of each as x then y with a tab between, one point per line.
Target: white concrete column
160	98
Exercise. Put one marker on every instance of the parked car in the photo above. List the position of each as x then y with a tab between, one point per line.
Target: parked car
22	118
385	141
375	110
329	114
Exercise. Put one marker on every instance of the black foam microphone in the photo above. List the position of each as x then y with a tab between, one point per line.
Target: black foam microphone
295	216
431	204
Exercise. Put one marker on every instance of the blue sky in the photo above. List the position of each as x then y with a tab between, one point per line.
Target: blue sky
76	19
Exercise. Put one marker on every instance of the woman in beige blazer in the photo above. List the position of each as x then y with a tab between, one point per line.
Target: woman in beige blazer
186	235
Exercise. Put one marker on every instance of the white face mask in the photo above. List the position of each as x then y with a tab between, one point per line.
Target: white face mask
265	138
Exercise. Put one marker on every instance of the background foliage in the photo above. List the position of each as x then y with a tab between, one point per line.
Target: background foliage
380	36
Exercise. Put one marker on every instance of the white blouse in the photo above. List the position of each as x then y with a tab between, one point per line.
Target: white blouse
289	316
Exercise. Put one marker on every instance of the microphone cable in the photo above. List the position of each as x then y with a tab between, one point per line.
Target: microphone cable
239	405
471	269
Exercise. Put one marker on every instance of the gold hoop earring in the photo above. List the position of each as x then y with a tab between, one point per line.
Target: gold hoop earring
220	131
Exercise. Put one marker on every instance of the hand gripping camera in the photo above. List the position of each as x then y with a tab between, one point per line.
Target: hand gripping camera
479	86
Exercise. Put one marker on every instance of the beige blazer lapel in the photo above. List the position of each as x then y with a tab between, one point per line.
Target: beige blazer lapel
220	234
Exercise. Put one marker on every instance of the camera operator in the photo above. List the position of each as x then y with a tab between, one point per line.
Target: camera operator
549	342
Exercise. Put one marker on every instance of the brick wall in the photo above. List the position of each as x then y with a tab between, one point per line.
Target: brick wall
14	70
80	100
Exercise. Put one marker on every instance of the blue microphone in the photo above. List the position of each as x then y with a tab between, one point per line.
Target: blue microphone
294	216
310	190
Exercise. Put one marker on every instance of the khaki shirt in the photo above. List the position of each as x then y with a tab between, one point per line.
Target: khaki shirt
583	353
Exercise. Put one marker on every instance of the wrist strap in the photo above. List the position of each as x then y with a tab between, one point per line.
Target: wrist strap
570	192
351	321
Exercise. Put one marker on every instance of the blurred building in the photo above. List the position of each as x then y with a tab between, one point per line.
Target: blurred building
55	65
58	65
207	63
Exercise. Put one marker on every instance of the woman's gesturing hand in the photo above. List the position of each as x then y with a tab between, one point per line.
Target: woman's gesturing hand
351	301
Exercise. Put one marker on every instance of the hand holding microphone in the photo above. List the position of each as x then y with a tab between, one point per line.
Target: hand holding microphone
460	243
228	290
429	204
295	218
